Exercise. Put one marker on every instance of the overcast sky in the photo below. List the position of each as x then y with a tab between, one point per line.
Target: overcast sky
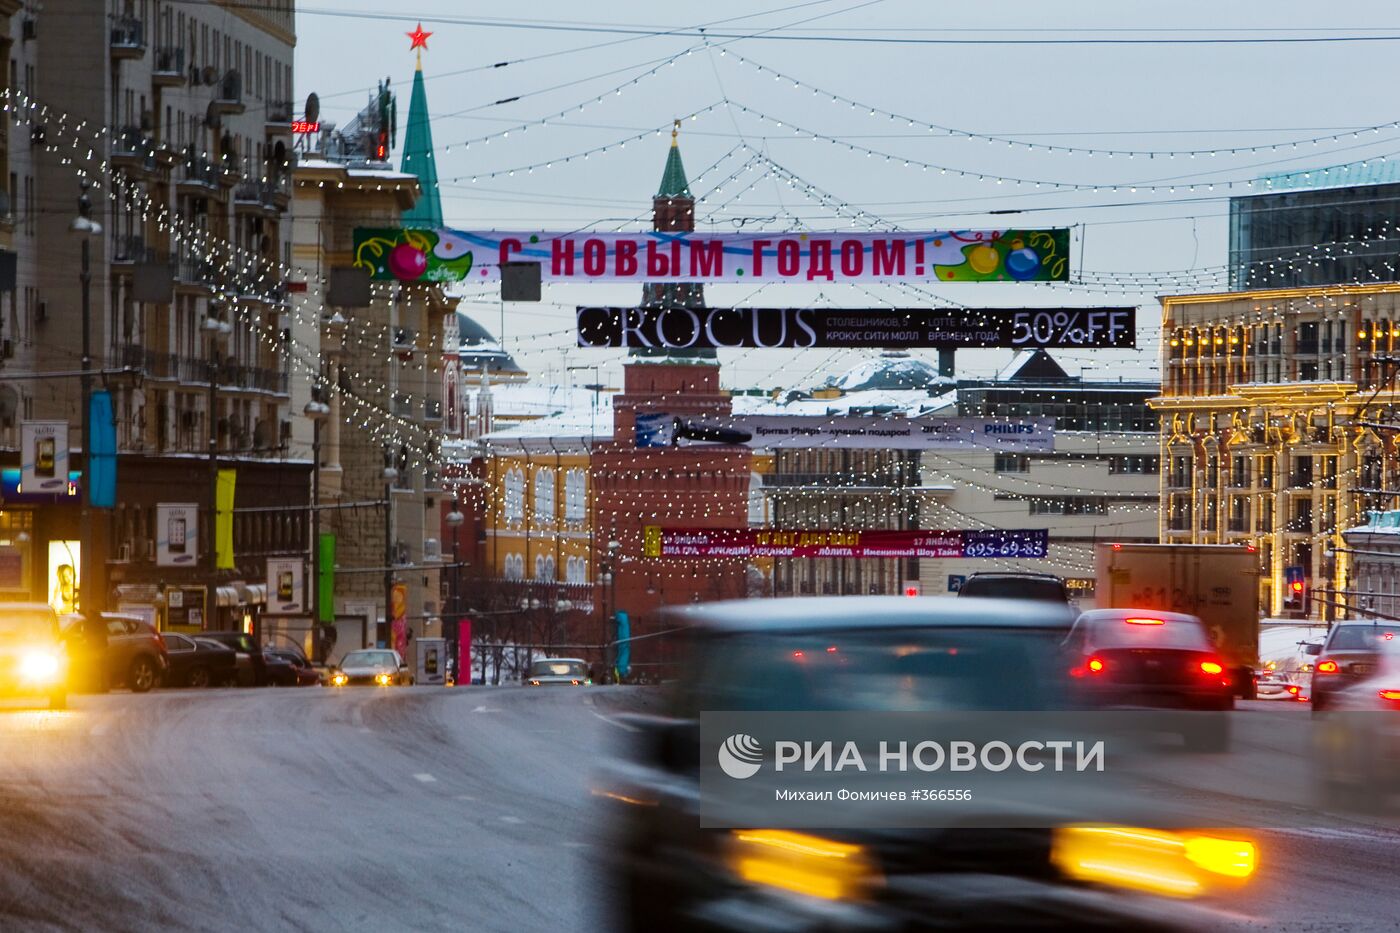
1041	73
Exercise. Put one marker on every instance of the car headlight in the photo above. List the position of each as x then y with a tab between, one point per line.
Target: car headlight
382	679
803	864
339	680
40	666
1162	862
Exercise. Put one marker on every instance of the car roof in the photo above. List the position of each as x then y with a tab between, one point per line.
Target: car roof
1100	615
823	613
574	660
1014	575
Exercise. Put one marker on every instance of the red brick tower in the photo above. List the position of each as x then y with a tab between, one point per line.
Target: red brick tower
682	487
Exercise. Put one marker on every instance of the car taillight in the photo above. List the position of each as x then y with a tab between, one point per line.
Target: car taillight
1143	620
1390	695
1211	667
1095	665
1327	667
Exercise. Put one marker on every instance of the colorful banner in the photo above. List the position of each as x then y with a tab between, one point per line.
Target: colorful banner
398	615
223	519
177	534
101	463
624	644
750	542
325	579
679	328
43	463
771	432
1007	255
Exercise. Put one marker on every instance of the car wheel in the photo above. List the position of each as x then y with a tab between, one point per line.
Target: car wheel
197	677
142	676
58	699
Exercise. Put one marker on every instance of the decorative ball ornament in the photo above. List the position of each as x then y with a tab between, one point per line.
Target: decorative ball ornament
984	259
407	262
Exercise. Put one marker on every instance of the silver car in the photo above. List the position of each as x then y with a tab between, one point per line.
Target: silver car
371	666
568	672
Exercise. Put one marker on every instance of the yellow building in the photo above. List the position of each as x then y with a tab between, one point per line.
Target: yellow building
1268	411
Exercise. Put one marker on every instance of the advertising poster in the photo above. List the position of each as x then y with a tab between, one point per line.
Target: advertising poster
184	607
65	569
43	463
286	586
771	432
177	534
1003	255
398	616
748	542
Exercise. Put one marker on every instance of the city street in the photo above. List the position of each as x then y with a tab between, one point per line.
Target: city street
414	808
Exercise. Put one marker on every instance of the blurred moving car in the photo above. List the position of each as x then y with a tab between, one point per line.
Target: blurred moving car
252	668
301	673
198	662
1134	658
135	655
374	666
1350	653
871	654
1356	754
1040	587
32	659
567	672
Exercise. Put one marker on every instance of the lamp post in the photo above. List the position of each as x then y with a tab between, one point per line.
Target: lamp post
85	228
391	474
609	580
217	329
454	520
317	411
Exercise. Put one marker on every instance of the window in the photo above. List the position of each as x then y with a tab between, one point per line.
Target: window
1135	464
1013	463
1068	505
514	567
575	495
576	570
514	505
544	495
544	568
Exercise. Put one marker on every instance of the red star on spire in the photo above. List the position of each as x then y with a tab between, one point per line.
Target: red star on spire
419	37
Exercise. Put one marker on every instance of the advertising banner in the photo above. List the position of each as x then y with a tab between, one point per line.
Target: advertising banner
43	464
177	534
624	643
398	616
464	652
749	542
325	579
1005	255
184	607
856	328
65	576
102	461
771	432
286	590
224	486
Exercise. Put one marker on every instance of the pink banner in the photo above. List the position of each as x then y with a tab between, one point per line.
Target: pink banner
464	651
399	616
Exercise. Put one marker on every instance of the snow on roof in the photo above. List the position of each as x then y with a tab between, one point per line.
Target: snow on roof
573	424
892	370
356	171
517	400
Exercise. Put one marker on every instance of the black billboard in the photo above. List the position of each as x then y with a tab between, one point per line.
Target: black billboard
801	328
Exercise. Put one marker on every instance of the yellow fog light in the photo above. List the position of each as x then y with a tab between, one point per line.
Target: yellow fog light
382	679
38	666
340	680
803	864
1152	860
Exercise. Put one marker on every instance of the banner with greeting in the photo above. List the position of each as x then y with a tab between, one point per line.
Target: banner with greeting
1006	255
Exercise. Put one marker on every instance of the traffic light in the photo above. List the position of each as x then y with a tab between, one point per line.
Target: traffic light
1295	593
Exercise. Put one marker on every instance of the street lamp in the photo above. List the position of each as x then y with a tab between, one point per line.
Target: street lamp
217	329
454	520
317	411
84	227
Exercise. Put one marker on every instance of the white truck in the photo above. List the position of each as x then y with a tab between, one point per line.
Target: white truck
1219	583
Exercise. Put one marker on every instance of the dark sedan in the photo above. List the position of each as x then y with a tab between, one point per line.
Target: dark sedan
301	673
860	657
199	662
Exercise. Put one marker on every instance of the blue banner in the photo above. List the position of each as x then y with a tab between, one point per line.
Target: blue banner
624	644
101	461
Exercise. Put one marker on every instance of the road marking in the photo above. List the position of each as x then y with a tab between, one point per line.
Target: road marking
482	709
465	797
613	722
511	819
575	845
425	778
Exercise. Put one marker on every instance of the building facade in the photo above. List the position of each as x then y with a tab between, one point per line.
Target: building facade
1273	413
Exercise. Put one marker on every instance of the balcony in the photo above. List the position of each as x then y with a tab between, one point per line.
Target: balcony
1307	347
403	406
132	149
198	176
1300	480
192	271
1179	523
278	117
255	378
128	38
1236	523
228	94
169	66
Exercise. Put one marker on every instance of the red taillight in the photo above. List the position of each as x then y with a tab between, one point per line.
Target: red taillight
799	654
1210	667
1327	667
1095	665
1142	620
831	649
1293	690
1390	694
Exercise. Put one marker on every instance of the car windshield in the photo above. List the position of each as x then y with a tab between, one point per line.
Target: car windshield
1051	591
882	669
368	659
1121	633
25	625
549	668
1360	637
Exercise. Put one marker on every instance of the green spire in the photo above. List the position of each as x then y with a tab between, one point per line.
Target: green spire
673	183
418	159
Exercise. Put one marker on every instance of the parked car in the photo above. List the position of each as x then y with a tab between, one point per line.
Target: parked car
558	672
198	662
1040	587
135	656
1351	653
301	674
378	666
252	668
32	659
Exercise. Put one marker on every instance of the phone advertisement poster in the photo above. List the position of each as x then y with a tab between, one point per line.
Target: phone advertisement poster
177	534
44	458
286	590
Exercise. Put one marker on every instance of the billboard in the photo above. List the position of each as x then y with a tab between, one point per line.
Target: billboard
748	542
65	576
772	432
43	464
1002	255
678	328
177	534
286	586
398	616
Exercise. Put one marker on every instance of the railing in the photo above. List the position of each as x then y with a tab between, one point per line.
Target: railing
279	111
1236	524
170	60
1179	523
1299	480
195	271
128	32
131	247
201	171
230	89
1308	347
403	407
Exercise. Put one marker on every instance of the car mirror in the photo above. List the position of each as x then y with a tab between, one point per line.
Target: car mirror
1312	650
